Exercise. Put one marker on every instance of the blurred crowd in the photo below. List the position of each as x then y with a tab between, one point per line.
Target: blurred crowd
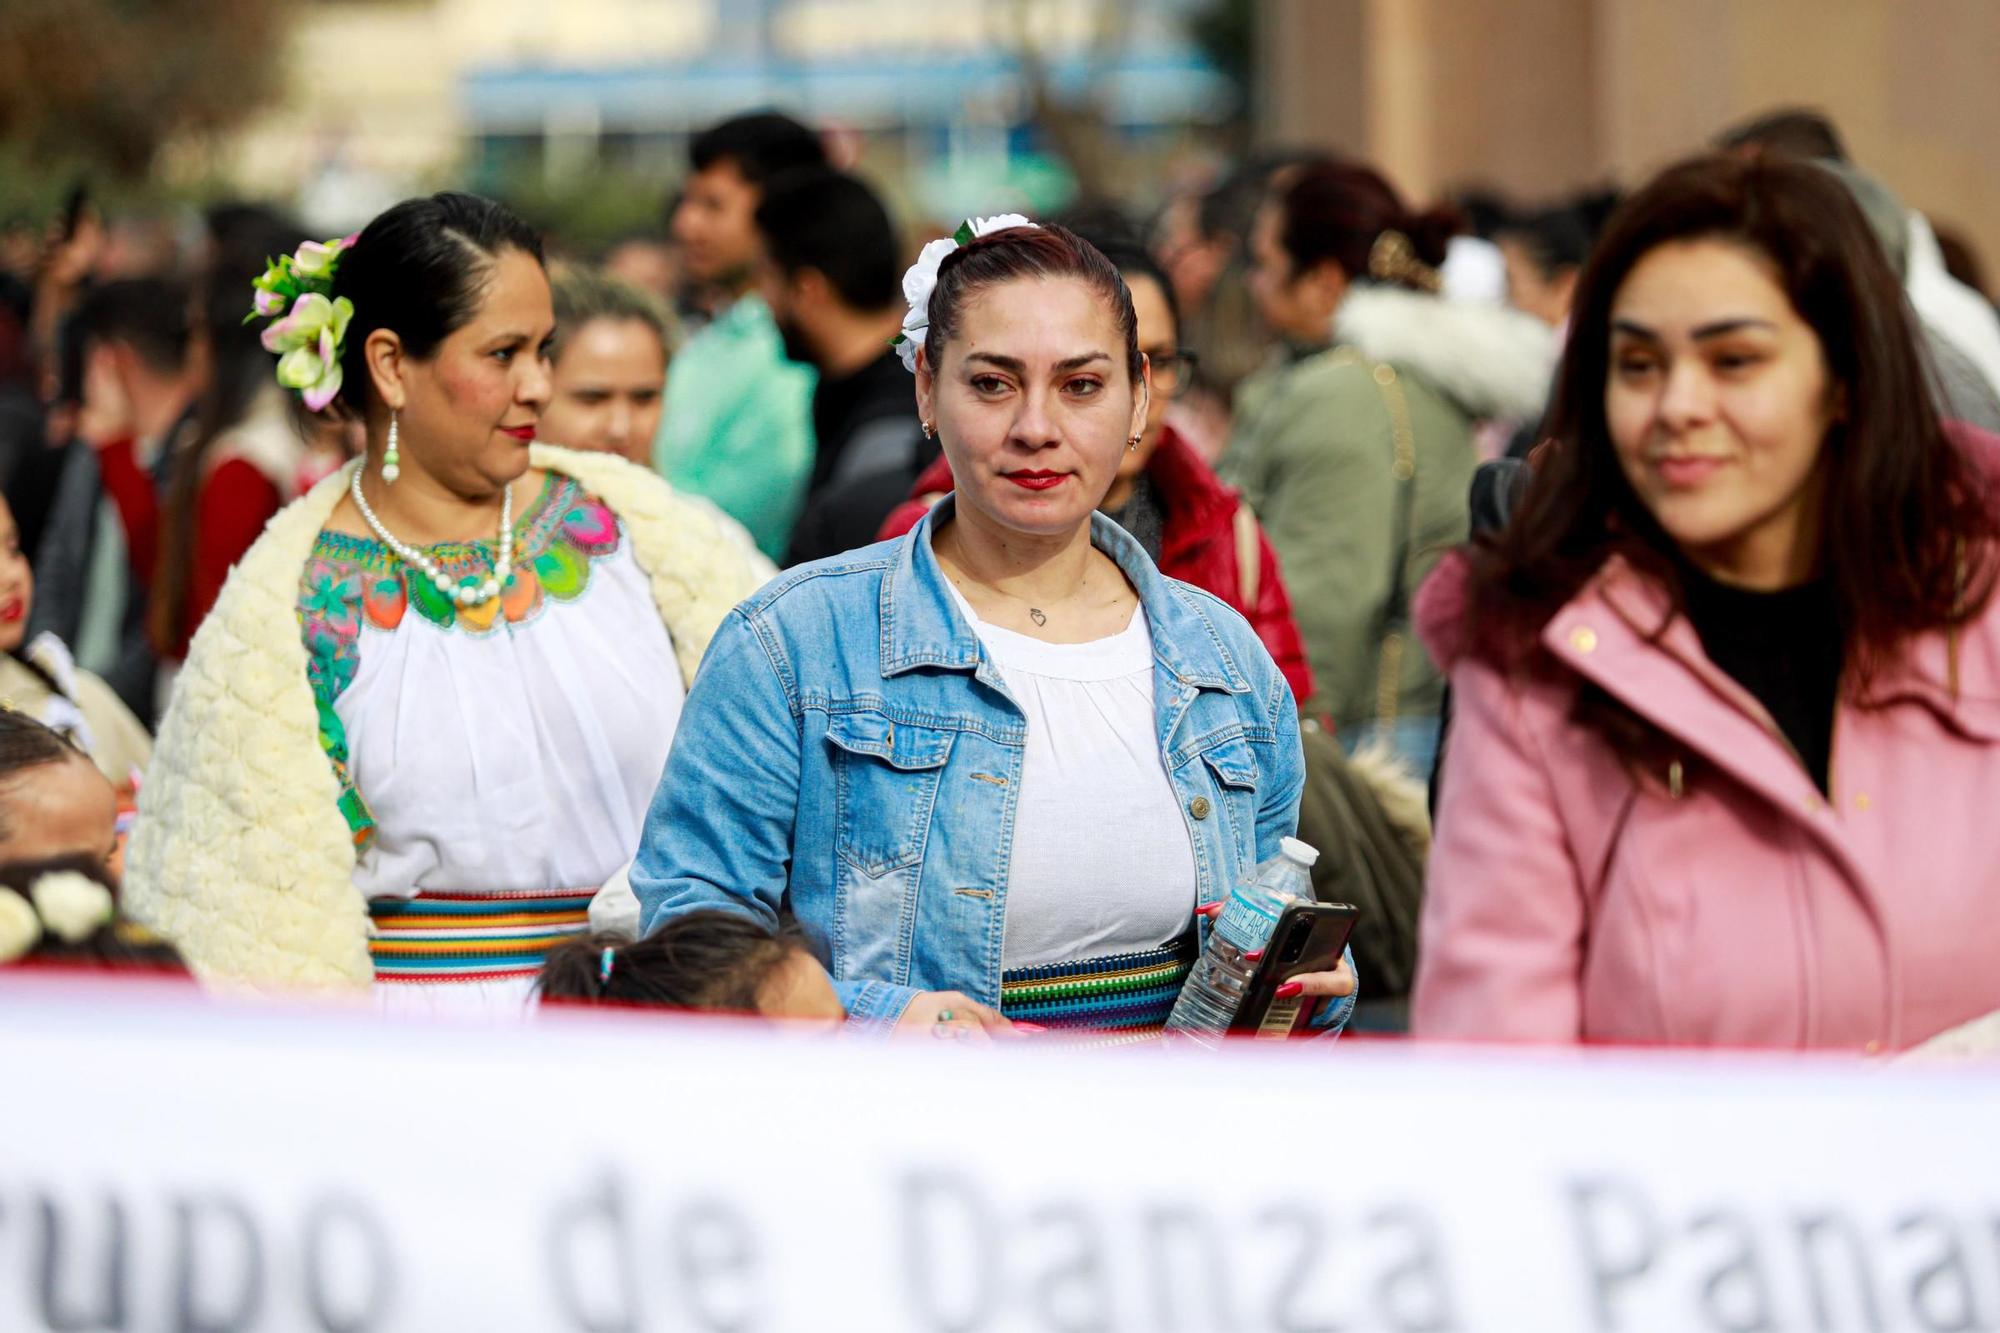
1345	384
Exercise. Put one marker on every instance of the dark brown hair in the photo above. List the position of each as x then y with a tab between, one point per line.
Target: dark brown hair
1046	251
1907	535
1337	210
703	960
1795	131
27	744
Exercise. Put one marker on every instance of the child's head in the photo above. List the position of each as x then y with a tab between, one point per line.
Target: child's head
720	961
64	910
53	801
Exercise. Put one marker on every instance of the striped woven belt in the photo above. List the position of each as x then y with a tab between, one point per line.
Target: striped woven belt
437	938
1124	996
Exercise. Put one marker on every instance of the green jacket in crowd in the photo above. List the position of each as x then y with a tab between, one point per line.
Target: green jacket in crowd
737	425
1314	450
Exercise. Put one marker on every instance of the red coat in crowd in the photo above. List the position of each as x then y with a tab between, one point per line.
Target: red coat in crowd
1199	546
235	503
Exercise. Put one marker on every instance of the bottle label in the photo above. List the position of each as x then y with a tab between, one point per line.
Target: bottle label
1281	1017
1245	923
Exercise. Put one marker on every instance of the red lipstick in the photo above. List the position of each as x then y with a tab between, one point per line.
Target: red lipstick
521	433
1036	481
12	611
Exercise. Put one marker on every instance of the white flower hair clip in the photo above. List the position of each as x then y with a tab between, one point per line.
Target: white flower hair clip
921	280
73	907
19	926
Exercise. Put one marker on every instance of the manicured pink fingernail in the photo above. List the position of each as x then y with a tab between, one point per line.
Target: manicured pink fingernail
1289	989
1253	955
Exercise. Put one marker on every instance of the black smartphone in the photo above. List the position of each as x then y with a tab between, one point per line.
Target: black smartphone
1308	938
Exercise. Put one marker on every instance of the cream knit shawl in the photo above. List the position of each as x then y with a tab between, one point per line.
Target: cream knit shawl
241	856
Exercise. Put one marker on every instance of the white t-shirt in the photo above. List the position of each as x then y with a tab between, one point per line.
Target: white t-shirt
1103	862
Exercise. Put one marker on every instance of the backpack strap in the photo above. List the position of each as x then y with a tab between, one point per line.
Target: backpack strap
1249	558
1396	606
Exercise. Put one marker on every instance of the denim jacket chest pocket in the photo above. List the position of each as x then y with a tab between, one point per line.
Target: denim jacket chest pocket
1229	763
886	776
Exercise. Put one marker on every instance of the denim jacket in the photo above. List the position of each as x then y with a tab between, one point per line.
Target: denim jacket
849	750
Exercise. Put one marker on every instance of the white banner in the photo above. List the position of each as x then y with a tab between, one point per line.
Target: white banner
166	1164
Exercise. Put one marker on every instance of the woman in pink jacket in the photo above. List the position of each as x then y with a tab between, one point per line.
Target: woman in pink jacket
1726	751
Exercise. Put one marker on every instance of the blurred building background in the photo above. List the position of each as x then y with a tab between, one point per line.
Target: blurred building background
1538	97
578	110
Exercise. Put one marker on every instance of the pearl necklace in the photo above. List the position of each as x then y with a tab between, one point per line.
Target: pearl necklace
465	594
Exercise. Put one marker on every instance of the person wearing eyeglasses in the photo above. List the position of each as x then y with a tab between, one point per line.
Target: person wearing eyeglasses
1165	495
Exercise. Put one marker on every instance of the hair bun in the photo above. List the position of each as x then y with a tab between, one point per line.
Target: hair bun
1430	232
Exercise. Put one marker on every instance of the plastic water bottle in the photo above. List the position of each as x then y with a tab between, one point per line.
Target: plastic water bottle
1215	989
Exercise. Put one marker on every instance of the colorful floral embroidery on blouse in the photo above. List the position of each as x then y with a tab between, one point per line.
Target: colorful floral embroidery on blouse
350	582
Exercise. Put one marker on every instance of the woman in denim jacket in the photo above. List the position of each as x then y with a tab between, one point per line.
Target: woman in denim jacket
993	768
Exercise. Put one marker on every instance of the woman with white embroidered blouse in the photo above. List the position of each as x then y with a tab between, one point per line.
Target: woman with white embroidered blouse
424	777
992	768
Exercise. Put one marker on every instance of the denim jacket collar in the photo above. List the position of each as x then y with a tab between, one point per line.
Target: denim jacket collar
922	625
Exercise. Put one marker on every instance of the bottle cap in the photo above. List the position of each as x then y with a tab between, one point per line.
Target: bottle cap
1304	853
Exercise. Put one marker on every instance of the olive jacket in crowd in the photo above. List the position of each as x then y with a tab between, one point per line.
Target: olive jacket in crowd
1719	898
1324	441
241	855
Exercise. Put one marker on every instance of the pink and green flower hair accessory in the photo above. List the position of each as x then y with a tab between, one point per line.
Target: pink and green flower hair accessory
308	322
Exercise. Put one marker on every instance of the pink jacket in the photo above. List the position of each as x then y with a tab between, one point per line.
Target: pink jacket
1569	899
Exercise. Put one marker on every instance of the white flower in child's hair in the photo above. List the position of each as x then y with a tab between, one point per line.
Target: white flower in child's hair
308	340
73	906
19	926
921	279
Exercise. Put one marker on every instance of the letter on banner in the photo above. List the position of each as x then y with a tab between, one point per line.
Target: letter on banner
1819	1275
110	1283
349	1285
1192	1261
1306	1253
717	1255
1737	1294
1072	1294
1941	1292
1414	1294
590	1260
205	1299
1612	1266
948	1230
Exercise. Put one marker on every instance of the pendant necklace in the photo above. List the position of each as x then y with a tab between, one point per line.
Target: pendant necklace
1035	613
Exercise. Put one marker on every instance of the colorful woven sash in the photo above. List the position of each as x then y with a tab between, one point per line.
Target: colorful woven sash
1120	997
438	938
